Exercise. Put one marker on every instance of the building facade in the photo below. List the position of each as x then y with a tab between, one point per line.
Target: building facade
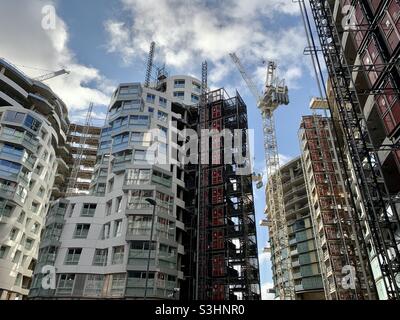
362	62
33	126
303	258
337	238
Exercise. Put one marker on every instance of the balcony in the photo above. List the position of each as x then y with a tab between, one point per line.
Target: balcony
26	141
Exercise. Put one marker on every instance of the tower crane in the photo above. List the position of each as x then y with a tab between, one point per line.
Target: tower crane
52	75
275	94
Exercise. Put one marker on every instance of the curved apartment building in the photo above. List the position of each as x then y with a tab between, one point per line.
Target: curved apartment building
99	243
33	126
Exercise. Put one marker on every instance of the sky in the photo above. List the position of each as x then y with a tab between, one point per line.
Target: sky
106	42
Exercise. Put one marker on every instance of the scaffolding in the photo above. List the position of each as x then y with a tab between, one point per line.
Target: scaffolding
80	153
227	243
380	205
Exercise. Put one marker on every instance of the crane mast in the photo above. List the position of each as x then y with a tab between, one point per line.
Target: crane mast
274	95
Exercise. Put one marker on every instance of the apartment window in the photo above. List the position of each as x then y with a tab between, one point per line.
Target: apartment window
179	83
139	156
195	98
162	116
12	151
117	228
29	243
162	101
118	204
139	225
4	251
105	234
137	176
179	95
13	234
100	257
17	257
118	284
88	210
6	210
118	255
16	117
73	256
124	90
136	199
35	228
94	285
8	168
121	139
133	105
151	110
141	138
32	123
21	217
196	87
108	208
151	98
65	284
81	231
41	192
45	154
139	121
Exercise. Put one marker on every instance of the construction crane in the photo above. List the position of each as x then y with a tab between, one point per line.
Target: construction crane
71	187
275	94
149	68
52	75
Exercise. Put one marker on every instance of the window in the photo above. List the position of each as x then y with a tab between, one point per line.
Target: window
21	217
29	243
13	234
17	257
139	120
120	122
196	87
8	168
137	176
133	105
32	123
73	256
12	151
88	209
136	199
118	284
65	284
139	156
3	251
117	228
105	234
121	139
118	204
81	231
35	228
195	98
390	25
162	116
108	208
151	110
180	83
100	257
162	102
139	225
118	255
151	98
94	285
141	138
125	90
12	116
179	95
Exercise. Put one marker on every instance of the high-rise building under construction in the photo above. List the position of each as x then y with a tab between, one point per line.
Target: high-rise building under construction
359	41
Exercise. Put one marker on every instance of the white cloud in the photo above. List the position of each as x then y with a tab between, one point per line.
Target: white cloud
264	291
24	42
187	32
264	258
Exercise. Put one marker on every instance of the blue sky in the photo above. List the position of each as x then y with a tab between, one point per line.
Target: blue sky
104	42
